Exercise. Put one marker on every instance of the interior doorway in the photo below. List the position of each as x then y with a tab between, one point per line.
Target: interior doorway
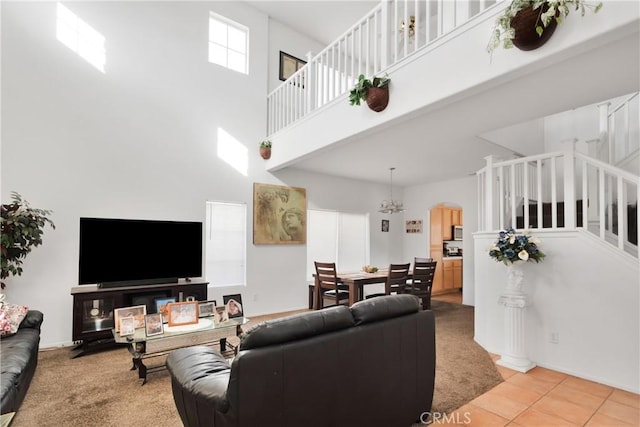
445	247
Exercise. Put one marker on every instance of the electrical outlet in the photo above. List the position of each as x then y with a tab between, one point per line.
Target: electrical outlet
554	337
255	297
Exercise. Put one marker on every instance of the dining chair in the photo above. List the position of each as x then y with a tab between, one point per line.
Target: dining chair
396	278
422	281
328	285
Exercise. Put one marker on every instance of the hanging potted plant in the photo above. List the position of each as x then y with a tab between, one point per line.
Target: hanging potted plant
265	149
375	92
528	24
22	228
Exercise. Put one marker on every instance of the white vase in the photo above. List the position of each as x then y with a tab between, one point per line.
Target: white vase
515	301
515	278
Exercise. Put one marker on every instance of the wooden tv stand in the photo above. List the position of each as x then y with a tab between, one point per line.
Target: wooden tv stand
93	308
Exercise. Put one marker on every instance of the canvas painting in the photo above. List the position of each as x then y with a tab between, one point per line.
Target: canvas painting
279	215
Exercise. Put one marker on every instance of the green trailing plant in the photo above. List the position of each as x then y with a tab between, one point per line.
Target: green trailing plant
265	144
22	227
503	33
360	89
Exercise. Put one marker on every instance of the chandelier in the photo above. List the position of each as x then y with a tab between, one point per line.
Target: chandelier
391	206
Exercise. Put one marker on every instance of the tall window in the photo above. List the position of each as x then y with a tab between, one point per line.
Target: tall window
337	237
225	243
228	43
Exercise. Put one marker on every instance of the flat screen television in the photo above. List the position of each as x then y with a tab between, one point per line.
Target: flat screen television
123	252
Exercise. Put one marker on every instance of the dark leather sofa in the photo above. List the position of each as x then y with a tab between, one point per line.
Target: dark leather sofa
369	365
18	361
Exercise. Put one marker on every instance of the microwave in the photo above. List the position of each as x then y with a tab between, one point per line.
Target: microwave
456	232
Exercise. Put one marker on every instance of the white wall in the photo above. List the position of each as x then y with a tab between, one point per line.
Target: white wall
140	141
585	291
420	199
283	38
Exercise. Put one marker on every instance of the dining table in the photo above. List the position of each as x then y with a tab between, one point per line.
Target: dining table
356	282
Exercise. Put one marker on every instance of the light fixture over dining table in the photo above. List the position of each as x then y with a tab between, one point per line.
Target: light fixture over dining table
391	206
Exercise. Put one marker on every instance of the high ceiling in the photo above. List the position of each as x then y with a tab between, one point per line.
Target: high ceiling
420	160
322	20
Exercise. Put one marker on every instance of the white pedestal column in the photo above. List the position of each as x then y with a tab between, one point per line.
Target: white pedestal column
514	301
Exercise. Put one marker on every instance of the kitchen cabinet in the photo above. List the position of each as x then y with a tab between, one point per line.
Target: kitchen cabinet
457	274
452	274
450	217
435	227
438	275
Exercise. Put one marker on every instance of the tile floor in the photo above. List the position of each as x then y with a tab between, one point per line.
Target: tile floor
543	397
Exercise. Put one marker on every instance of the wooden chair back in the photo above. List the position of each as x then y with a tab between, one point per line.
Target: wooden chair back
326	276
422	281
396	278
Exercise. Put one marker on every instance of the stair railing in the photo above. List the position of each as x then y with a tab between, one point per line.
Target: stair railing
564	181
619	129
389	33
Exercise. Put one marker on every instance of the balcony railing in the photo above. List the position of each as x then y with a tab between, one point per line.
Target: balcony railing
389	33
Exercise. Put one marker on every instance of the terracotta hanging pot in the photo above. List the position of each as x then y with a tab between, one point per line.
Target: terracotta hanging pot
377	98
265	152
525	23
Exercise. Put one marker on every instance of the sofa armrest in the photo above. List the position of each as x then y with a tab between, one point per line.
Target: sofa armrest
32	320
199	374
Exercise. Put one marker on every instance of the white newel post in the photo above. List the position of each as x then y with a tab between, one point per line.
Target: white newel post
515	301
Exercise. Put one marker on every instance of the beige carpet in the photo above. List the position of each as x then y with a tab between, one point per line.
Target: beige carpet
100	390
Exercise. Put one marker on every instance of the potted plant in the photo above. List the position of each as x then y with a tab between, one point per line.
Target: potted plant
22	228
528	24
374	91
265	149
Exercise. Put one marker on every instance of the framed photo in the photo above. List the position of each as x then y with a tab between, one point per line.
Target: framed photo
161	307
127	326
153	324
289	65
414	226
206	309
233	303
385	225
279	215
137	312
220	315
182	313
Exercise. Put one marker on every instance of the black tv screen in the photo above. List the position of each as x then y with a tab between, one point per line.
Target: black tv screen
128	251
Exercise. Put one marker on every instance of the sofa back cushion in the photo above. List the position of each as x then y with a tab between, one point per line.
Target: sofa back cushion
386	307
297	327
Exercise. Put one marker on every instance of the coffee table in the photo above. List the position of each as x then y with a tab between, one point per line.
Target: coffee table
205	332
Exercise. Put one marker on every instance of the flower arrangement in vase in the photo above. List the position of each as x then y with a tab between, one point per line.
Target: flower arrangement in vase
512	247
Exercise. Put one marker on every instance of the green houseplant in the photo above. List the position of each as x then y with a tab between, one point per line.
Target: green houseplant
374	91
541	17
265	149
22	227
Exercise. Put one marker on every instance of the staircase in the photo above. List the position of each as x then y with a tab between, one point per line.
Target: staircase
552	194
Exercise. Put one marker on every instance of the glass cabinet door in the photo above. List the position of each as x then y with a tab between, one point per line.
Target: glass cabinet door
97	314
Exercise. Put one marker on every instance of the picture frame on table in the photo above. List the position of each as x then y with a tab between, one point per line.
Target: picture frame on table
220	315
289	64
137	312
233	303
153	324
127	326
206	308
161	307
182	313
